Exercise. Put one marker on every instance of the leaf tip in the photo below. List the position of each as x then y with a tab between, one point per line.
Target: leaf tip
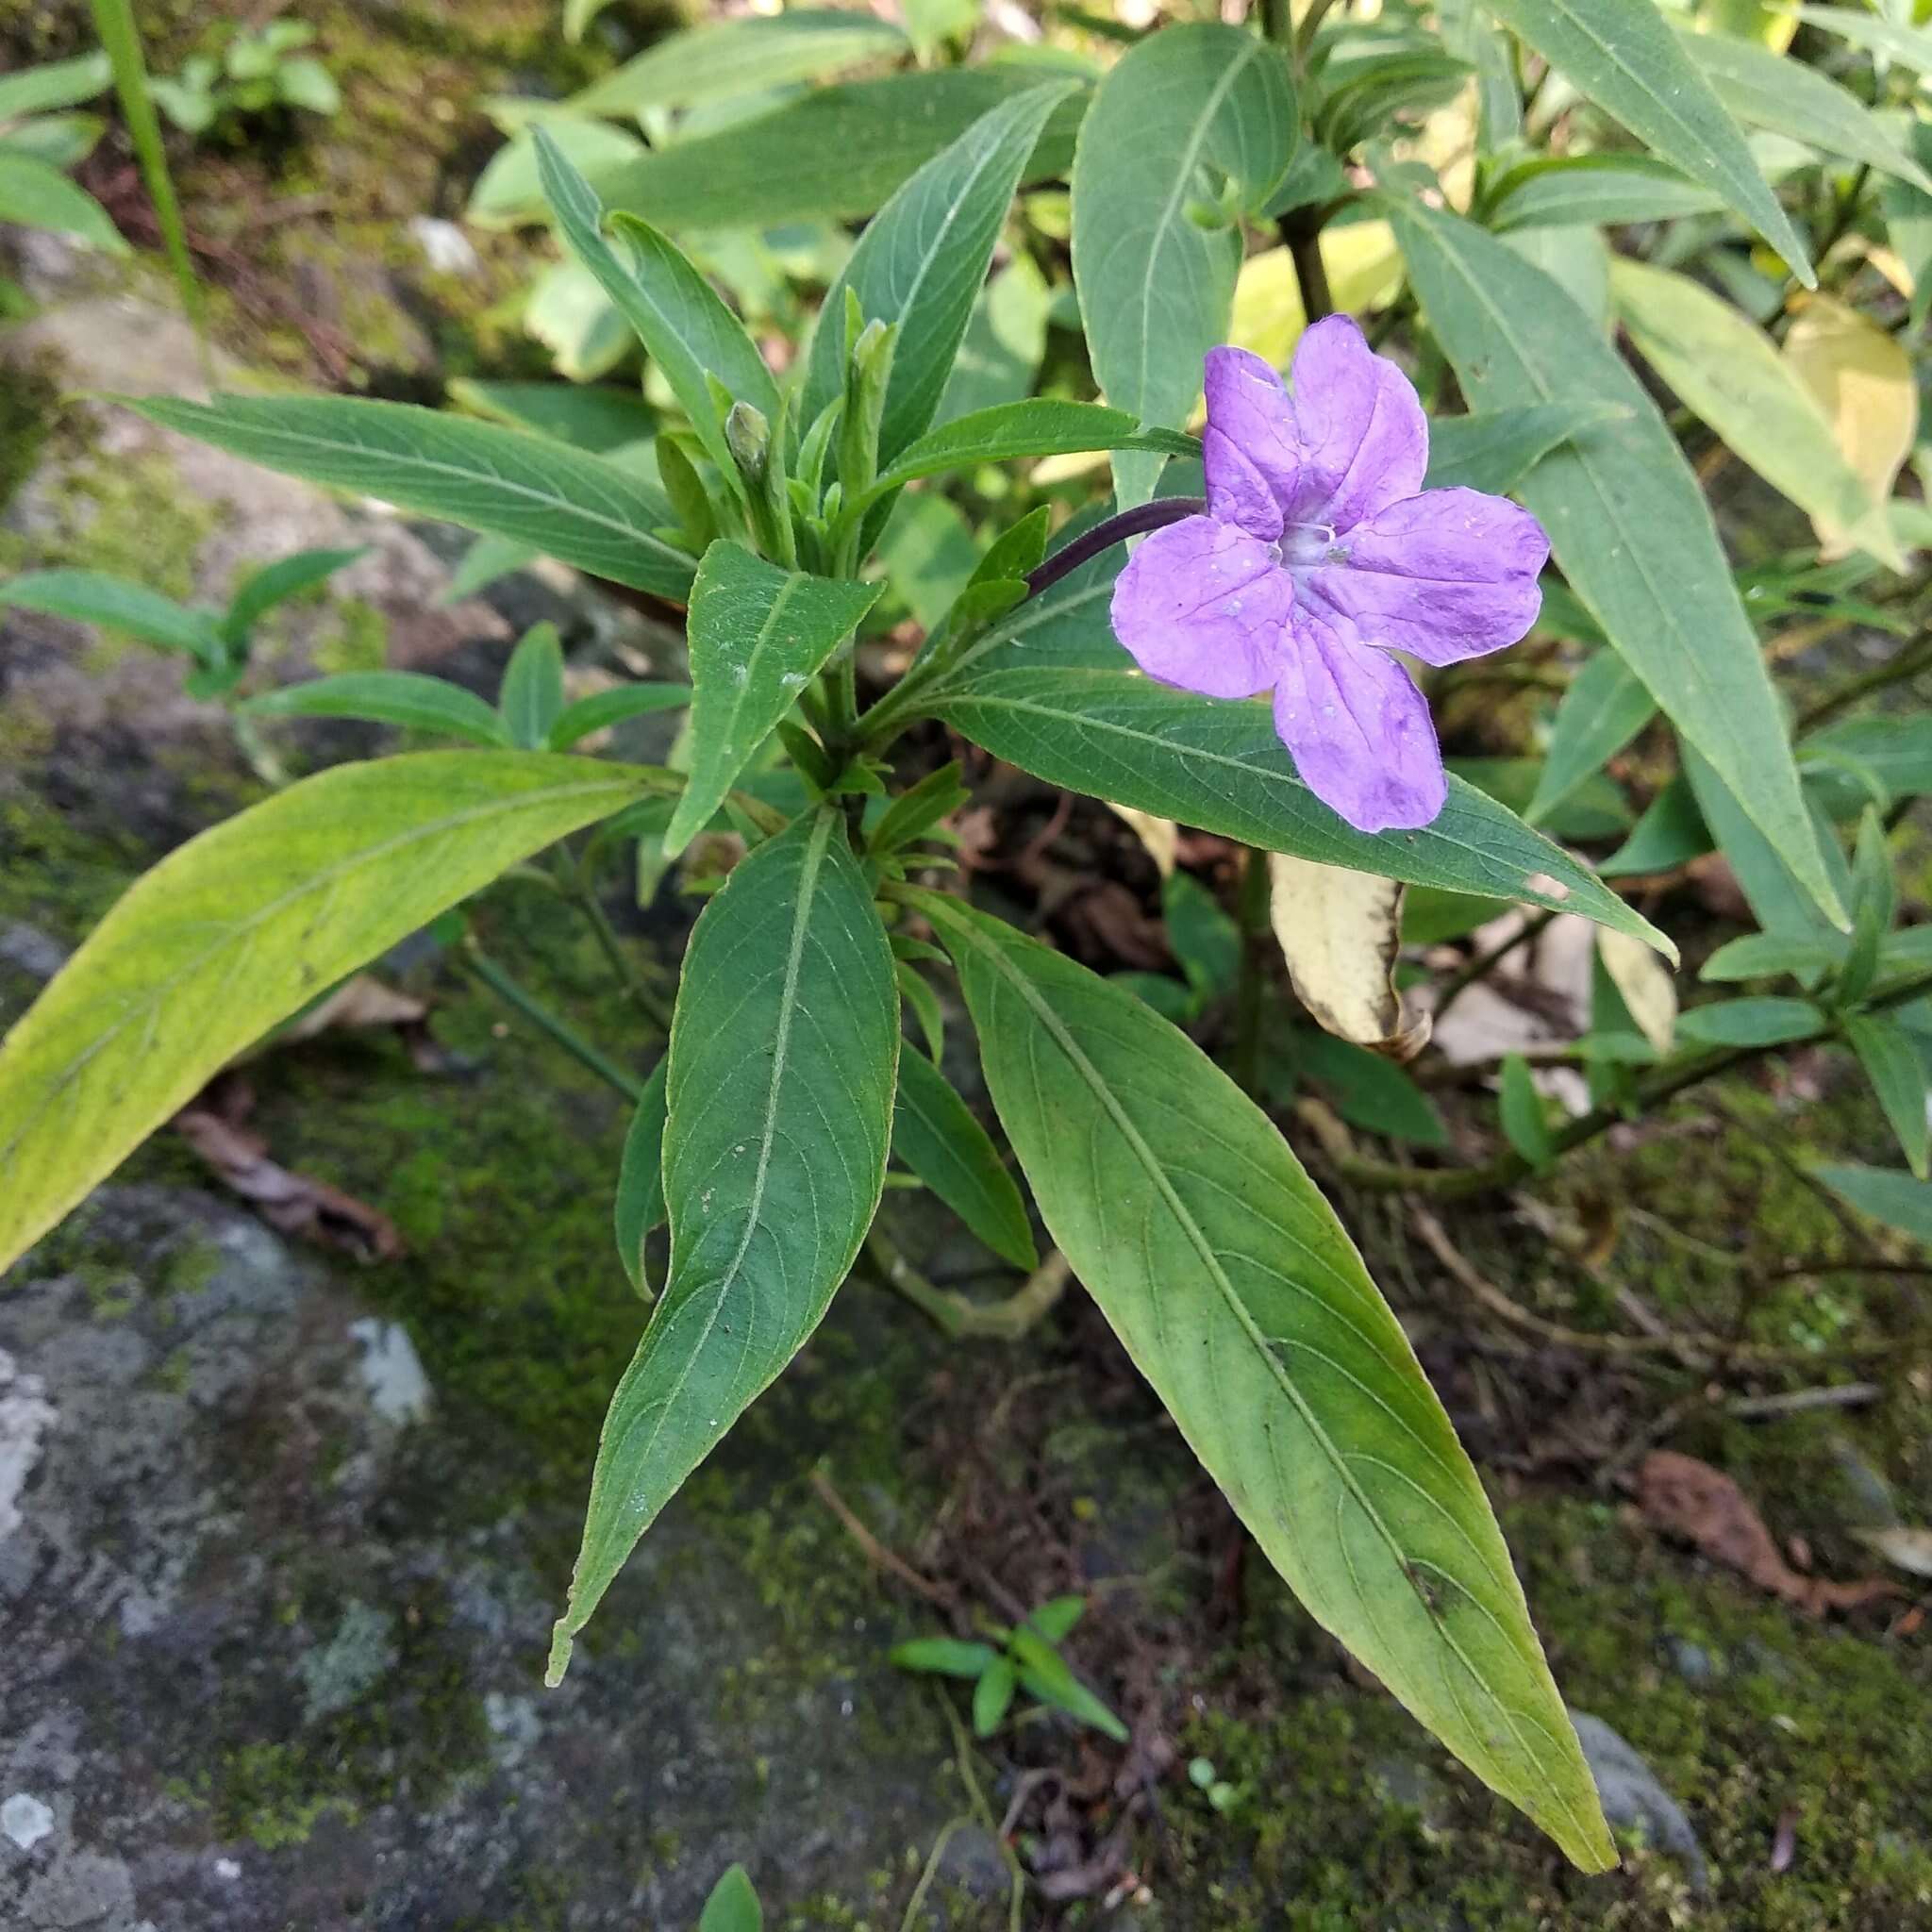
561	1645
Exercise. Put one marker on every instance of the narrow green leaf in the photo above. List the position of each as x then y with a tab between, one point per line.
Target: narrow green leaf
1493	452
38	196
1671	832
404	698
1056	1618
1005	343
1761	955
1523	1122
1910	46
1768	882
1181	113
935	1134
1626	519
1728	371
236	929
1604	708
925	1007
1597	192
640	1205
837	152
758	636
1036	427
1897	1074
603	708
1241	1299
921	263
943	1657
601	419
91	596
1874	904
53	84
733	1905
1045	1675
993	1696
1220	766
1368	1092
580	508
745	56
275	583
1785	97
531	699
684	325
508	193
1750	1022
1621	55
783	1056
1896	1199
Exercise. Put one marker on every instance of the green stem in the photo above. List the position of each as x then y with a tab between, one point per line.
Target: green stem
1251	986
583	895
477	963
1906	663
959	1316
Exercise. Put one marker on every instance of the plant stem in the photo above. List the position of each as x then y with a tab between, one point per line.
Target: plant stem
959	1316
583	895
1664	1084
1304	238
1257	937
1906	663
1105	535
1483	964
477	963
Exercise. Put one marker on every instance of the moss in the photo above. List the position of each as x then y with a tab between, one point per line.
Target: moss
359	639
30	406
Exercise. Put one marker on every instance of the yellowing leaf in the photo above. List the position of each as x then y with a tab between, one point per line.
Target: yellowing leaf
1862	378
1162	837
1364	270
1646	985
1339	932
1749	20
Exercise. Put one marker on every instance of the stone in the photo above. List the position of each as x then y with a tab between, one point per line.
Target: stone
1633	1799
392	1371
24	1418
26	1820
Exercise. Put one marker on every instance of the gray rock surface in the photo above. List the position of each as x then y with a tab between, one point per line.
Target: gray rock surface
1634	1800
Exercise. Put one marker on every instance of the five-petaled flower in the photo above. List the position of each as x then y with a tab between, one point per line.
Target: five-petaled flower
1320	553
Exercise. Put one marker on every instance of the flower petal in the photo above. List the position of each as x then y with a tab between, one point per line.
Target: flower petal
1359	731
1446	574
1247	404
1238	492
1204	606
1364	439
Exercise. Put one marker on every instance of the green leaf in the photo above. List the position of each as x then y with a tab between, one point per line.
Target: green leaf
579	508
1790	99
1202	936
1368	1092
1626	518
641	1177
1910	46
570	315
920	265
993	1696
1897	1074
1874	904
1181	113
784	1050
61	141
747	56
837	152
1604	708
733	1905
601	419
531	699
236	929
38	196
1241	1299
1761	955
509	192
1045	1675
1523	1122
404	698
91	596
275	583
935	1134
1005	343
758	636
603	708
1768	883
1896	1199
1597	191
1056	1618
929	554
1729	373
1750	1022
1621	55
1495	451
684	325
1897	749
1220	766
53	84
1671	833
925	1007
1036	427
943	1657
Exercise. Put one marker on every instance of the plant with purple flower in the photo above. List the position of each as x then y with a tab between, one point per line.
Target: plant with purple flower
1320	556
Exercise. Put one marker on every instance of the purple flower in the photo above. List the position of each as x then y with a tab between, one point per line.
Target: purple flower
1320	555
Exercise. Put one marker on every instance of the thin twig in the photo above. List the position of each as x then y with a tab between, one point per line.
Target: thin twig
876	1551
1797	1401
958	1315
1483	964
477	963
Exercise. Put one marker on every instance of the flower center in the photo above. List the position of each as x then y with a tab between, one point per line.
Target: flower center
1305	546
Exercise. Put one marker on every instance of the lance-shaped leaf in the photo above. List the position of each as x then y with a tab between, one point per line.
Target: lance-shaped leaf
276	582
1604	708
921	262
1184	116
1896	1199
640	1205
758	636
579	508
232	932
682	321
38	196
1622	55
406	698
935	1134
93	596
1220	766
1910	46
1626	519
1595	191
1242	1301
783	1055
1493	452
1339	932
1890	1060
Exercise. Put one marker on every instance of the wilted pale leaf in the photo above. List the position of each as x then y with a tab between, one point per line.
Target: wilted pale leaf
1364	270
1863	379
1162	837
1646	985
1339	932
1911	1549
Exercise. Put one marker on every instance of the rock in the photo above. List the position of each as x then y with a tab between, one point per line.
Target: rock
392	1371
1692	1661
353	1661
29	950
445	247
1632	1797
974	1863
24	1419
26	1820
